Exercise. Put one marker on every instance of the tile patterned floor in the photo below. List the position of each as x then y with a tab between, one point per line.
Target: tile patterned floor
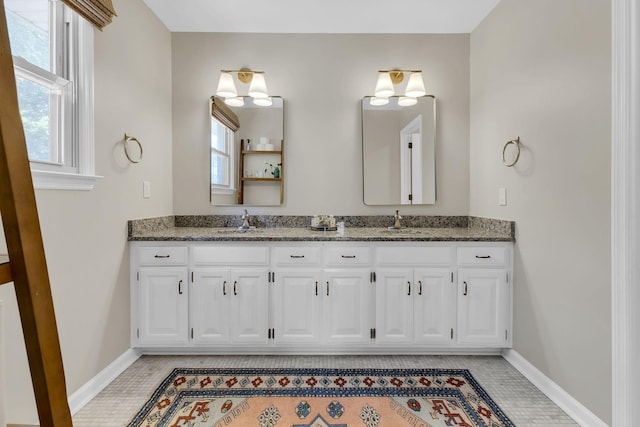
525	405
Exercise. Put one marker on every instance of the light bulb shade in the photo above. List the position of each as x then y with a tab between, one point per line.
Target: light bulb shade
415	86
377	102
258	86
407	101
234	101
226	86
263	102
384	87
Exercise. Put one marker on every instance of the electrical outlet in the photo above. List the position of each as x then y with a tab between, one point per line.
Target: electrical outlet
502	196
146	189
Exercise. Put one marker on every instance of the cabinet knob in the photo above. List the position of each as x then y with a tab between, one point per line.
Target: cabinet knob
180	287
235	291
316	288
224	287
409	283
327	288
420	287
466	288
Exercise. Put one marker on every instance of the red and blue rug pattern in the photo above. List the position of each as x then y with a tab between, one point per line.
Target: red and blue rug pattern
320	398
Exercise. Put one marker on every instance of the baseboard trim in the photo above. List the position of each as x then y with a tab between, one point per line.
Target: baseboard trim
95	385
553	391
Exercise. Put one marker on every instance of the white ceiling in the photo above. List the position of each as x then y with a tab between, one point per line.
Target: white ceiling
322	16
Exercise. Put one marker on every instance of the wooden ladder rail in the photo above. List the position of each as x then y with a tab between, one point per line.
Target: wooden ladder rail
28	268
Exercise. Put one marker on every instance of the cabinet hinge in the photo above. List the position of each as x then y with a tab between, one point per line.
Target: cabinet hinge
410	196
451	333
410	145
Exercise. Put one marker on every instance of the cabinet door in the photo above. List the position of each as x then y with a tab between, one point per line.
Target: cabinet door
347	306
210	297
482	307
297	304
394	306
163	306
434	306
249	304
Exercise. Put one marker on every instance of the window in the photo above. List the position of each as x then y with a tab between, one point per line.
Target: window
222	158
52	51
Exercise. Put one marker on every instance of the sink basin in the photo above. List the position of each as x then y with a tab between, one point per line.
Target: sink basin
238	230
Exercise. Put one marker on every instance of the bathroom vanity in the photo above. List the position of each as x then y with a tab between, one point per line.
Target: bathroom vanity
286	290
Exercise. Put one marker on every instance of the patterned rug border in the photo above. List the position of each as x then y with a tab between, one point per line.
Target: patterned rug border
324	392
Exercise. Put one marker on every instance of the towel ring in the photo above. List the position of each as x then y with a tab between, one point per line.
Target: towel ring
127	140
515	142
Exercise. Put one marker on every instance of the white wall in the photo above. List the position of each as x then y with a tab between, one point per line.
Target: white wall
85	233
322	79
541	70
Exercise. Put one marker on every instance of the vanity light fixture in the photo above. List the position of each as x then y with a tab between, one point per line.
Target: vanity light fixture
385	87
257	87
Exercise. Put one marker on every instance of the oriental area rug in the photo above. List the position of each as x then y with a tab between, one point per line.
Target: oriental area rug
320	398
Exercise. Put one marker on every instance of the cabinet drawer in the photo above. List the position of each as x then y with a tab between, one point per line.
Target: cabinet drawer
230	255
162	255
482	255
346	256
398	255
292	256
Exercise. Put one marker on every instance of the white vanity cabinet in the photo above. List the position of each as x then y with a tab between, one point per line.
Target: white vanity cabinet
321	297
160	294
229	295
415	304
297	295
484	297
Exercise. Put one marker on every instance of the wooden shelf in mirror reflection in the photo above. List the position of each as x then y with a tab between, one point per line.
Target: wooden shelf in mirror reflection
247	180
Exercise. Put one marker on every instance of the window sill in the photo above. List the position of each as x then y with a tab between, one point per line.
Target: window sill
47	180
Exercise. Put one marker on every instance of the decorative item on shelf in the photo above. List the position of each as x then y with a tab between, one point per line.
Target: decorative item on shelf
276	171
257	87
388	78
127	140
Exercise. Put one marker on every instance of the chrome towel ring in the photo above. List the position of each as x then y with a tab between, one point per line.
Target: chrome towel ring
127	140
515	142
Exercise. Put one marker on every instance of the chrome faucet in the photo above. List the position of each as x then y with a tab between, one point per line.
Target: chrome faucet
397	218
245	220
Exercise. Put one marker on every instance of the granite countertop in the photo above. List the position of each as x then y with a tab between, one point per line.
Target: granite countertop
179	229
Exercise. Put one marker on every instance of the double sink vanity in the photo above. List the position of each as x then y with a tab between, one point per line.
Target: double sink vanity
436	285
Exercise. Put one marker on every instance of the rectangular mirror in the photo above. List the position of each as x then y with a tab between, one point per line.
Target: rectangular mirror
247	153
398	152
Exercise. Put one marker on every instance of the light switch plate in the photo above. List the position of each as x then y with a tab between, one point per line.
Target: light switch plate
146	189
502	196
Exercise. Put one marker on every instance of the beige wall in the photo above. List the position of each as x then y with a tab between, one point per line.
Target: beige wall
85	233
322	79
541	70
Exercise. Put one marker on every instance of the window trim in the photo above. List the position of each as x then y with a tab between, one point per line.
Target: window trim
230	154
83	176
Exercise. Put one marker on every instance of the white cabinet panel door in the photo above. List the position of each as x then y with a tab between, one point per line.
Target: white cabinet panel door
347	306
482	307
394	306
249	305
297	306
434	306
210	297
163	306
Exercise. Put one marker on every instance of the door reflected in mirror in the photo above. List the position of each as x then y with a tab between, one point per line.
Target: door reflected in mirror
247	147
398	152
